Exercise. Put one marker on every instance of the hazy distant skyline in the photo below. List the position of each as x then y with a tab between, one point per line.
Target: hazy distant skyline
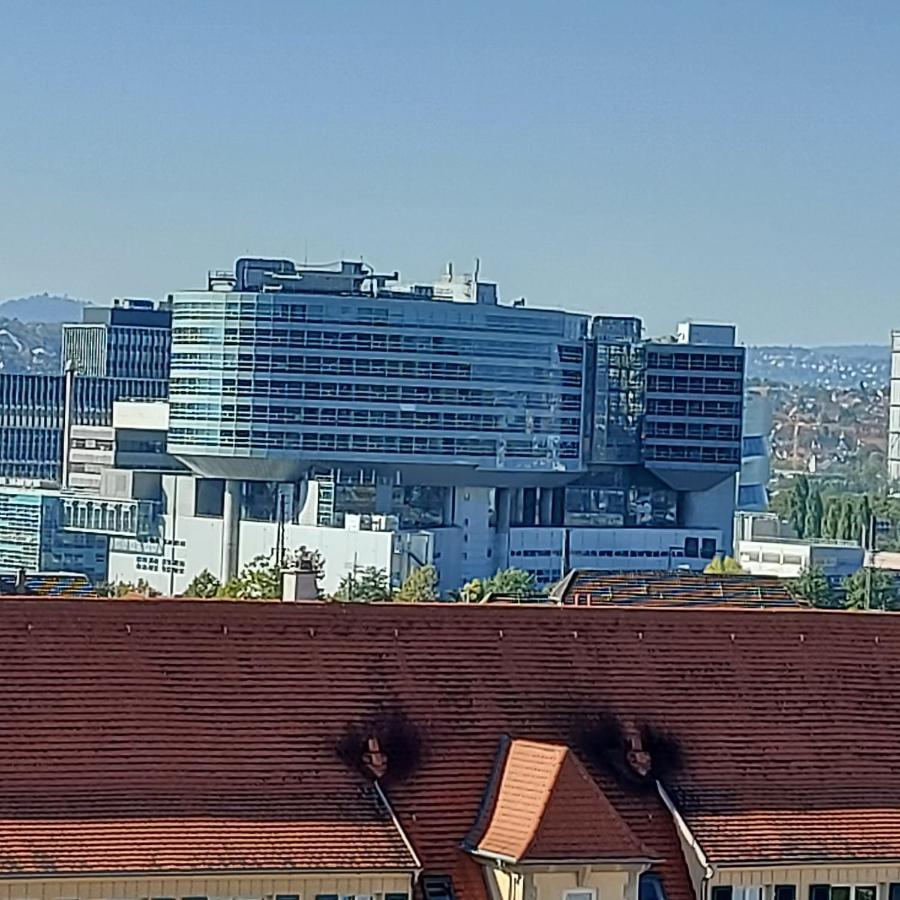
706	160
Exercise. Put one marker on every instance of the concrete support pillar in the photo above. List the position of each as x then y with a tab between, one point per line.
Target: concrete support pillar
559	506
503	506
529	506
231	528
546	507
384	497
449	503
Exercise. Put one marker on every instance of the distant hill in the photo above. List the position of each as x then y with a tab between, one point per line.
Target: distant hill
49	308
30	346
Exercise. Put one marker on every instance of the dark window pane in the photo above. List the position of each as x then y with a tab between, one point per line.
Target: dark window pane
650	888
841	892
819	891
864	892
894	891
721	893
785	892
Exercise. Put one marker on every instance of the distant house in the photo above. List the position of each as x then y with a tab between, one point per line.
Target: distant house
185	750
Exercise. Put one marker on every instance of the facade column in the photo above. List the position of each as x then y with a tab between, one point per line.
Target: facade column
503	506
231	528
384	497
546	508
449	503
559	506
529	506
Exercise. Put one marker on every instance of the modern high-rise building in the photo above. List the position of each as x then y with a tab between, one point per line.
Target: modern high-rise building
129	339
528	437
756	467
34	410
384	424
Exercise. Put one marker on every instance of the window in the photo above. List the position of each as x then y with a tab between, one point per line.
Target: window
722	892
650	888
894	891
580	894
287	897
396	897
848	892
326	897
785	892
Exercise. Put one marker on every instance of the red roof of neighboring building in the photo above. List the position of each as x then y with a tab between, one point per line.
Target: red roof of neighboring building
543	792
775	731
587	587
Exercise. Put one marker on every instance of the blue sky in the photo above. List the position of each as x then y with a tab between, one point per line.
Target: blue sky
732	161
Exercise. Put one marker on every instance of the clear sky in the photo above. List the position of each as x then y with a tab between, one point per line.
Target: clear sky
720	160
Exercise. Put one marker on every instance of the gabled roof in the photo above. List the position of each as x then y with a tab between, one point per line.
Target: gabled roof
135	717
547	808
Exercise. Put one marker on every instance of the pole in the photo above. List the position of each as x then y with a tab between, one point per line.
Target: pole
174	514
68	401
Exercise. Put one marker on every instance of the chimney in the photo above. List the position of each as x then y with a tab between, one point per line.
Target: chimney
638	758
374	760
299	583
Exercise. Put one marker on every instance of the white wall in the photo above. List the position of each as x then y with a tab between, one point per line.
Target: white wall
540	550
202	549
786	559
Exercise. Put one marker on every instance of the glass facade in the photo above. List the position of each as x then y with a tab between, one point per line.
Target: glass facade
357	379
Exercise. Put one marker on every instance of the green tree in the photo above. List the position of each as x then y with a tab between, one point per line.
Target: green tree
812	586
124	588
260	579
203	585
473	591
723	565
831	526
420	586
369	585
870	589
864	519
799	498
506	581
815	514
847	522
780	503
510	581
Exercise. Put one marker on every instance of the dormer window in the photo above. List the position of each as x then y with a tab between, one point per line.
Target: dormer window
580	894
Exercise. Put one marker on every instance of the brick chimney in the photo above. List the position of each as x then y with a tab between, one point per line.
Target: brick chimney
374	760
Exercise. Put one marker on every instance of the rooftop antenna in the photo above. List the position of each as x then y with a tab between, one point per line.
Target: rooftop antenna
474	287
450	271
305	251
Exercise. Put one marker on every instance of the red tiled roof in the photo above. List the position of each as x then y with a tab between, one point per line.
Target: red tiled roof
788	724
586	587
133	841
547	808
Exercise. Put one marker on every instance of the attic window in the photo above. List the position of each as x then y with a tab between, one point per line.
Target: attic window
650	888
785	892
580	894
